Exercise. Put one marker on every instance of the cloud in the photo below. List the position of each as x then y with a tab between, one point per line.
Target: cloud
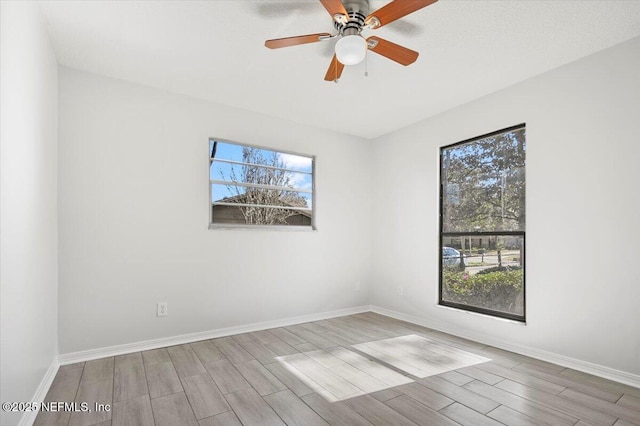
300	180
296	162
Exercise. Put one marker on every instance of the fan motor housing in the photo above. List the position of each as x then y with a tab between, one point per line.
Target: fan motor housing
358	10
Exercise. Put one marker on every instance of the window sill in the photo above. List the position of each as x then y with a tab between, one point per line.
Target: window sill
511	321
284	228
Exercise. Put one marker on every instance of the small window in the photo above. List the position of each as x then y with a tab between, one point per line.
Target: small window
258	187
482	224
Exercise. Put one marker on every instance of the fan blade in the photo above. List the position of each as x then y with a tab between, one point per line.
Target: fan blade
396	10
393	51
334	7
294	41
335	70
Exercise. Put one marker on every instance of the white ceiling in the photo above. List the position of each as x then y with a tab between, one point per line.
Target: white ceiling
215	50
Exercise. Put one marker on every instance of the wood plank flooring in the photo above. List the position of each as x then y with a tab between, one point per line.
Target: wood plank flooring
363	369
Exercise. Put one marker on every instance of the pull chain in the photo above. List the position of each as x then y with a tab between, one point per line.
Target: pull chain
366	68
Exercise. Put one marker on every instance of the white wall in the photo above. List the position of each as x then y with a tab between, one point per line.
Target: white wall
133	182
583	227
29	271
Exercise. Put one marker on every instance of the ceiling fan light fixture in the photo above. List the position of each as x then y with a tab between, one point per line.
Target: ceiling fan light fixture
351	49
350	18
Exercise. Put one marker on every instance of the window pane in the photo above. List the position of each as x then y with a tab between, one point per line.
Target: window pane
226	151
234	173
238	194
487	273
259	180
483	184
483	224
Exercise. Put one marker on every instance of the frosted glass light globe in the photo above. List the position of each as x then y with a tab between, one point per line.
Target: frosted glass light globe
351	49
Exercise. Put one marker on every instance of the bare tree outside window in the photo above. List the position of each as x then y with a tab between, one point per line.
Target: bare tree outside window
274	175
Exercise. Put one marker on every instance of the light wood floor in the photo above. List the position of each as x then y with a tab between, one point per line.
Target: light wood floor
361	369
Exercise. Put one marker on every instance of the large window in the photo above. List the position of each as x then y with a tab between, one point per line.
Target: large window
482	224
258	187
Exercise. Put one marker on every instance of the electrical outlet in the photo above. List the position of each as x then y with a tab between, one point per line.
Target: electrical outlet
400	290
162	309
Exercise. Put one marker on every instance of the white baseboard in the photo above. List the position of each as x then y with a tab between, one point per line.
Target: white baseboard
29	417
127	348
565	361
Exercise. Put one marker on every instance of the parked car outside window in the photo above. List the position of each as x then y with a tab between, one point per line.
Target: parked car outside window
451	257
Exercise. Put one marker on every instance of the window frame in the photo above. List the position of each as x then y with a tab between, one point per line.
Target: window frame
246	226
442	235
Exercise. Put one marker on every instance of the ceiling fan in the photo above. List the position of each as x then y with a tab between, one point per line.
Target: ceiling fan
350	18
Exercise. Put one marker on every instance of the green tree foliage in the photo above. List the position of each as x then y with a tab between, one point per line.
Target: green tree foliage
484	184
499	290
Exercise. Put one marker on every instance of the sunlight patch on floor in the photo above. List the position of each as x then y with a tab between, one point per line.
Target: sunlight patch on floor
340	373
419	356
